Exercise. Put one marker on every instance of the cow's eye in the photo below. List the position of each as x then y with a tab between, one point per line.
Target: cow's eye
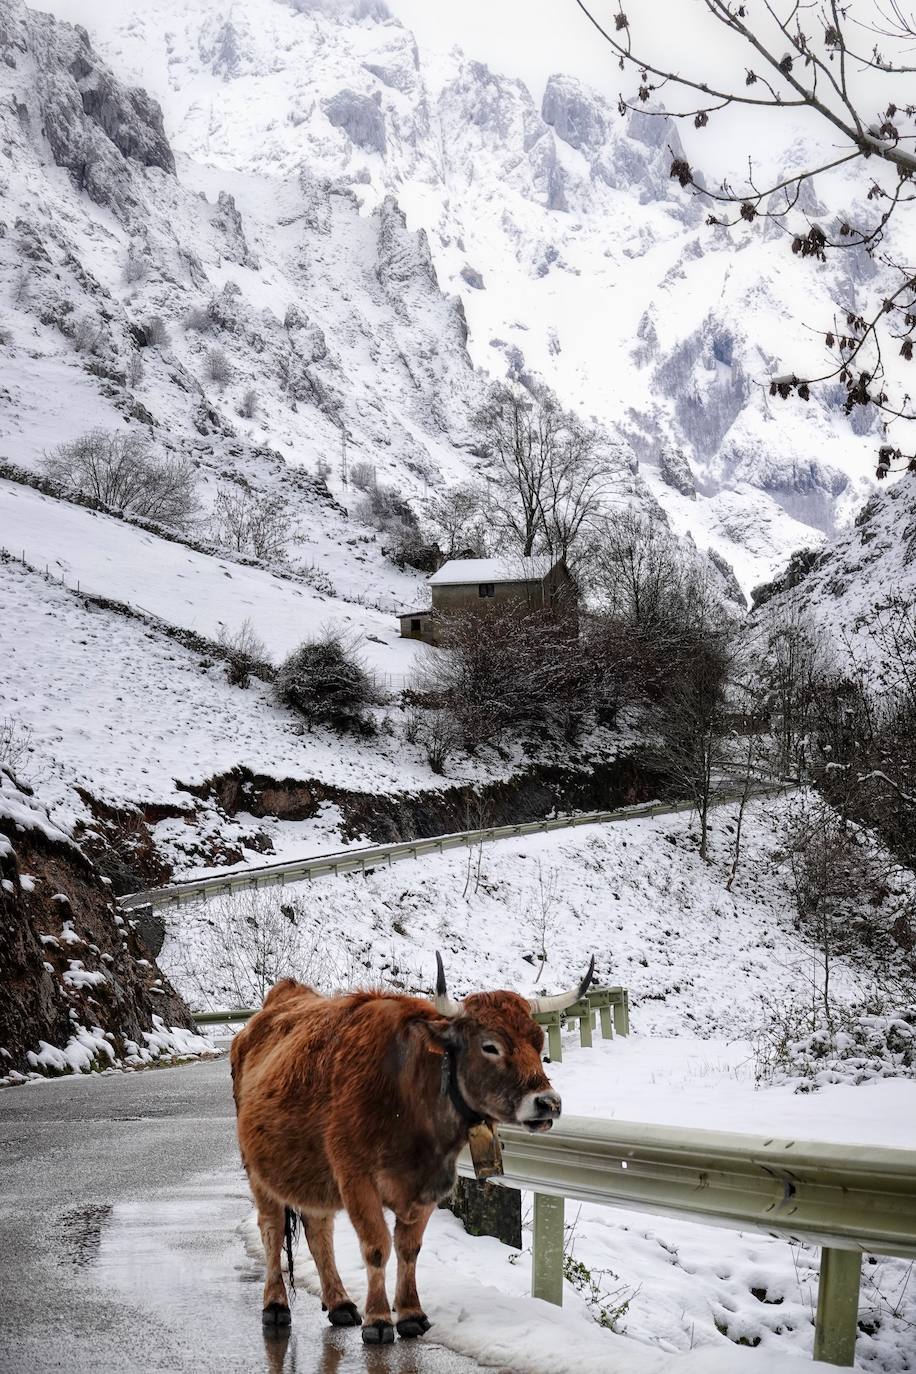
489	1048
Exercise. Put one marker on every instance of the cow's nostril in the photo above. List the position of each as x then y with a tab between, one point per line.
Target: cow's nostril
548	1104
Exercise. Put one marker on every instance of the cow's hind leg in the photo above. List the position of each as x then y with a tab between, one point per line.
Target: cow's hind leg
271	1219
319	1232
364	1206
408	1237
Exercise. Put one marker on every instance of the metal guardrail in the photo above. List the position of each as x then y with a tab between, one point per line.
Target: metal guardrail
362	859
846	1199
612	1005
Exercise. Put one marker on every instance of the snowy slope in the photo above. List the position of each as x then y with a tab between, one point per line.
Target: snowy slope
699	963
114	559
577	259
857	576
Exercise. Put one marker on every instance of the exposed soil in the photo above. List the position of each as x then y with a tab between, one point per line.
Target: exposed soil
538	792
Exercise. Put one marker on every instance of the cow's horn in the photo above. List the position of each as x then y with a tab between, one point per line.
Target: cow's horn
562	1000
445	1005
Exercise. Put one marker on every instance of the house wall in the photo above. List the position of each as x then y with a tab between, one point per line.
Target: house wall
557	588
427	632
466	597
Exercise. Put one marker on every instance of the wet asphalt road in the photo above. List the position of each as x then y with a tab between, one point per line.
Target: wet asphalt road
120	1202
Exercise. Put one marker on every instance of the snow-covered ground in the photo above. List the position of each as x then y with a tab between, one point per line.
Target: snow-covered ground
675	1286
697	959
129	714
111	558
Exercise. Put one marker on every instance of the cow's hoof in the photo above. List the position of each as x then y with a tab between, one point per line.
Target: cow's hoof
378	1333
345	1314
409	1328
276	1314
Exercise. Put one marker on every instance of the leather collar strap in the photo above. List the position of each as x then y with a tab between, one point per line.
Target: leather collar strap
450	1087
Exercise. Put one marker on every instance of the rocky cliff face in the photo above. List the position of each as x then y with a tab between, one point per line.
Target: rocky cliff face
80	990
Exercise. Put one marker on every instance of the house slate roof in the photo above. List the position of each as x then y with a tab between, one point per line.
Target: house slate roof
459	571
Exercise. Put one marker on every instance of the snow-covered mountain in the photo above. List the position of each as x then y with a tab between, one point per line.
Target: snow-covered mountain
576	257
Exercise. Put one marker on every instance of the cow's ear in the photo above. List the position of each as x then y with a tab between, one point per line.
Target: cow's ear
441	1035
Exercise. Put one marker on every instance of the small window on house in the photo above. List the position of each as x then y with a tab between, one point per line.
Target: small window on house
486	589
415	627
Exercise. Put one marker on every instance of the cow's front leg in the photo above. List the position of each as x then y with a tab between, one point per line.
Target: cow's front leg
271	1219
364	1207
408	1237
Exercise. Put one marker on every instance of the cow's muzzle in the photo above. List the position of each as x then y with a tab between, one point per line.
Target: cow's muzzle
538	1111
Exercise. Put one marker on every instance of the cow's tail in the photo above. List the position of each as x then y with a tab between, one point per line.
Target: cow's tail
291	1237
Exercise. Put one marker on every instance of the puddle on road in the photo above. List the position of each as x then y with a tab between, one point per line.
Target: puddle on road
180	1265
81	1234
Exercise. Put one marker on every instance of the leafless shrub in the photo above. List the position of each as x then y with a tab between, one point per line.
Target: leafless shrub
218	367
156	332
122	471
88	335
362	476
251	523
133	372
136	266
200	320
15	747
233	950
248	406
438	737
245	649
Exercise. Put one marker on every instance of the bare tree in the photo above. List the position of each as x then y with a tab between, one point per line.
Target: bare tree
250	522
795	664
122	471
503	669
457	517
219	369
693	730
844	64
551	469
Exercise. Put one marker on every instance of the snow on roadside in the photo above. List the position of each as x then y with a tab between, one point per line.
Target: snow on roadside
479	1303
699	963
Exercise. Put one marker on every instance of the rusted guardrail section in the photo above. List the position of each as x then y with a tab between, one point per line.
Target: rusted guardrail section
847	1199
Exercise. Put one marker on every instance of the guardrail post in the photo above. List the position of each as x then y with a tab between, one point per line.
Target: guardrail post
585	1029
837	1307
547	1249
607	1025
622	1012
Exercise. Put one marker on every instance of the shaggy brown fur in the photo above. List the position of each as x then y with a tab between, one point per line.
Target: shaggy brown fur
340	1105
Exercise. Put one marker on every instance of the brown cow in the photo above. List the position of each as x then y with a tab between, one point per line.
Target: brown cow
363	1101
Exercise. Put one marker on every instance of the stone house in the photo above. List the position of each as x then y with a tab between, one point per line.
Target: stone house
536	583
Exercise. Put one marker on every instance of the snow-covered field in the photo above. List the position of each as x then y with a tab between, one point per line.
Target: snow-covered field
114	559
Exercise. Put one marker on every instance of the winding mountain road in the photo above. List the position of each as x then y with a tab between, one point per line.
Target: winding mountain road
121	1199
